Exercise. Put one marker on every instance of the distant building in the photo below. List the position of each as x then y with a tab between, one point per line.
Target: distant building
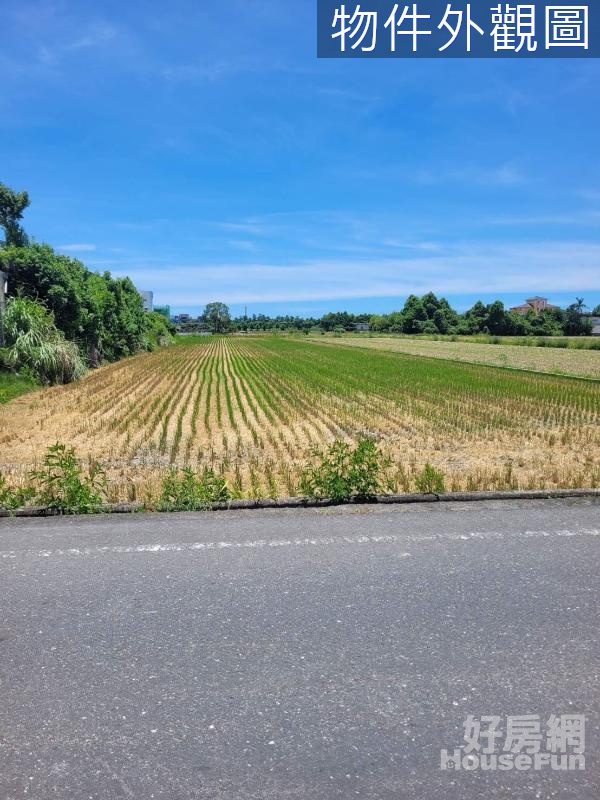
361	326
535	304
147	300
164	310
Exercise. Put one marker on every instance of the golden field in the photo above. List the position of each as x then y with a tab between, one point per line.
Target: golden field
558	361
252	408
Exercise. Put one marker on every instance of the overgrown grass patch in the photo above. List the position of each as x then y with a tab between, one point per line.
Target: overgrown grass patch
12	386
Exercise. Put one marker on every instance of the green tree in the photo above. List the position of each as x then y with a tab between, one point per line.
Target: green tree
380	322
102	314
217	317
12	205
430	303
496	318
574	323
476	317
414	315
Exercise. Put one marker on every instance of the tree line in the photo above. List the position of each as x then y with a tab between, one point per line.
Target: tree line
102	316
420	315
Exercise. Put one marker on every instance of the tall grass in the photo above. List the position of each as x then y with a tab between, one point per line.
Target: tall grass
36	347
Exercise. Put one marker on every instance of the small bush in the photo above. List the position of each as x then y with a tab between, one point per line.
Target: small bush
185	491
64	486
339	471
36	347
160	332
430	480
11	497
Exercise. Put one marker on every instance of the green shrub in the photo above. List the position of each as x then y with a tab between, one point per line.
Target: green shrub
430	480
36	347
339	471
159	331
64	486
185	491
11	497
102	314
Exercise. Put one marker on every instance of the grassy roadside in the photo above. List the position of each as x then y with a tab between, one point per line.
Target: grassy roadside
12	386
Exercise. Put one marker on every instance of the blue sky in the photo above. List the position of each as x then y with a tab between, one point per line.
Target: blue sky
204	150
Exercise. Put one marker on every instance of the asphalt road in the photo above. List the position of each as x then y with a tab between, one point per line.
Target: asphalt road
294	654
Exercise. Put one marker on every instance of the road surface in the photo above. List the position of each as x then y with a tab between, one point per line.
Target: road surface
308	654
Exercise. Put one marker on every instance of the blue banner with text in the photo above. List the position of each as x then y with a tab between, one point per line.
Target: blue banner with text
435	29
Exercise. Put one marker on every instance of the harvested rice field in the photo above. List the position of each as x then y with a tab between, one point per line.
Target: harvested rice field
252	408
559	361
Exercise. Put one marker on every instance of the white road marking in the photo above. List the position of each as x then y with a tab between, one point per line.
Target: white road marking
257	544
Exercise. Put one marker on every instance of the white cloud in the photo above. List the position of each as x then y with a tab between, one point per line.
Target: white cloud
543	267
77	247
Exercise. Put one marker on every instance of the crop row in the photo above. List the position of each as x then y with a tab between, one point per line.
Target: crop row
253	407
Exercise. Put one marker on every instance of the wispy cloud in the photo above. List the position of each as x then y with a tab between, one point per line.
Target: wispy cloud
199	73
249	226
465	268
77	247
244	244
97	35
591	195
508	174
585	217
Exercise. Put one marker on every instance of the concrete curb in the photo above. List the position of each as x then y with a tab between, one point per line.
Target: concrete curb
303	502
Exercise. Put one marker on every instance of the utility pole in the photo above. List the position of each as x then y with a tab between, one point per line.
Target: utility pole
3	291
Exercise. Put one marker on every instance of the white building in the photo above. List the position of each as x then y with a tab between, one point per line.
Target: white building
147	300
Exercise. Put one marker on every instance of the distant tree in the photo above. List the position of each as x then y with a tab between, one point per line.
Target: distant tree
546	323
476	318
516	324
12	205
440	321
429	327
597	309
430	303
414	315
341	319
574	324
217	317
379	322
496	318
